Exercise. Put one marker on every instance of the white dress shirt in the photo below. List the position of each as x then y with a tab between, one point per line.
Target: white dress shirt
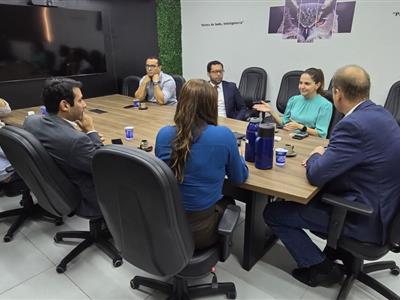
221	100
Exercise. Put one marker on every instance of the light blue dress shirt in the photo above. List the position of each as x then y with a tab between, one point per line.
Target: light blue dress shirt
167	85
4	163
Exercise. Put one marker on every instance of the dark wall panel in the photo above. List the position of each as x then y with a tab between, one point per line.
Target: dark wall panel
130	31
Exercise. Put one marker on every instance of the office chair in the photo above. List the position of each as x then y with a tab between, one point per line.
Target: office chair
28	208
355	252
129	85
289	87
179	82
141	203
253	87
54	191
392	103
336	115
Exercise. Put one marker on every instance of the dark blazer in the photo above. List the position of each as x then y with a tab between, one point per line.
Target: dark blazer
73	151
363	160
234	103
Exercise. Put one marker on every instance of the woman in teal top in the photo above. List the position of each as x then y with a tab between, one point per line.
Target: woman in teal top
309	112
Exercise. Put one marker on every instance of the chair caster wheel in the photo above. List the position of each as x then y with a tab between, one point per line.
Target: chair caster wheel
57	239
117	262
7	238
61	269
395	271
134	285
231	295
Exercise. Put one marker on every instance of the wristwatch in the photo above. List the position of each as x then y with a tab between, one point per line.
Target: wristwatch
304	129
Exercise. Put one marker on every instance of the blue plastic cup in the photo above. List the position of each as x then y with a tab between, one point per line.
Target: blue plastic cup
129	133
280	156
136	103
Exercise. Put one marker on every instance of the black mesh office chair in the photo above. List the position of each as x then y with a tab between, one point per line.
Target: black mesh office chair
353	252
28	208
129	85
140	201
289	87
336	115
392	103
179	82
253	88
54	191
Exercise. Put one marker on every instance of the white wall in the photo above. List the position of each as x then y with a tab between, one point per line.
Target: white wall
374	43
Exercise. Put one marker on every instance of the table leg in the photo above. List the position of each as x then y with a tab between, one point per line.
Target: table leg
257	237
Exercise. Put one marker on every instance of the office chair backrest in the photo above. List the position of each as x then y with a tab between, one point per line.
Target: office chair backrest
392	103
140	200
336	115
253	85
179	82
54	192
289	87
129	85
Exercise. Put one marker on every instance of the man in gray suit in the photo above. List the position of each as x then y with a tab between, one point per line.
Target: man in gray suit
71	149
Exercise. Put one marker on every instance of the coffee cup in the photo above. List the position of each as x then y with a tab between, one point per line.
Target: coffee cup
280	156
129	132
136	103
142	105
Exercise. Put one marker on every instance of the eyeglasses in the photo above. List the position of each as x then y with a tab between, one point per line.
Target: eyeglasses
151	66
217	72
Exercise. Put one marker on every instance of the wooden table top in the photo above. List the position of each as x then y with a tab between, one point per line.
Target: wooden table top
288	182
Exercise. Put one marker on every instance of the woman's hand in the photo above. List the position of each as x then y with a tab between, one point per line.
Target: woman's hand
292	125
264	106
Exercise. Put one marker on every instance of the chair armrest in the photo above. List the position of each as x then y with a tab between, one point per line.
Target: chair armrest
225	230
353	206
229	220
340	208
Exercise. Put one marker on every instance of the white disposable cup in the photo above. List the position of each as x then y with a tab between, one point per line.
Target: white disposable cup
280	156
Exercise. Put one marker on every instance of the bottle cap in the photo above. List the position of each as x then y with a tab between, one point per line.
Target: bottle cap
255	120
266	130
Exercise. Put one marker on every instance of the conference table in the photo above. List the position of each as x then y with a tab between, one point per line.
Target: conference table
288	182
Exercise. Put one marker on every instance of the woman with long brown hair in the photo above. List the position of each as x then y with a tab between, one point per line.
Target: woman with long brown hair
200	153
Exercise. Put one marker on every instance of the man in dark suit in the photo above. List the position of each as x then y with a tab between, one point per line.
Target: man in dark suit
361	162
230	102
71	148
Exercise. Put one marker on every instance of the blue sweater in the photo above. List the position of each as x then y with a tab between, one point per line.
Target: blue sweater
214	155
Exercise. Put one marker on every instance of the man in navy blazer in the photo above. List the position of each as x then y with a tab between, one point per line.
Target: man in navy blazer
361	162
230	102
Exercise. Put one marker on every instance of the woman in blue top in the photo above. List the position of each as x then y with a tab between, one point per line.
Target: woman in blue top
201	154
310	111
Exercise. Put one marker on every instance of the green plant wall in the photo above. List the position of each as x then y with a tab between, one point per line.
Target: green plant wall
169	30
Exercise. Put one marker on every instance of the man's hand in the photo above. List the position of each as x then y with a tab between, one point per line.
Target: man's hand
101	136
156	78
3	103
86	124
146	79
264	106
318	149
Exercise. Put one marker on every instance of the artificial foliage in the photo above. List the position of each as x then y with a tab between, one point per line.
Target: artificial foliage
169	30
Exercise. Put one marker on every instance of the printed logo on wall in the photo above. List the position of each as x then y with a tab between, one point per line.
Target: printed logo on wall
307	20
